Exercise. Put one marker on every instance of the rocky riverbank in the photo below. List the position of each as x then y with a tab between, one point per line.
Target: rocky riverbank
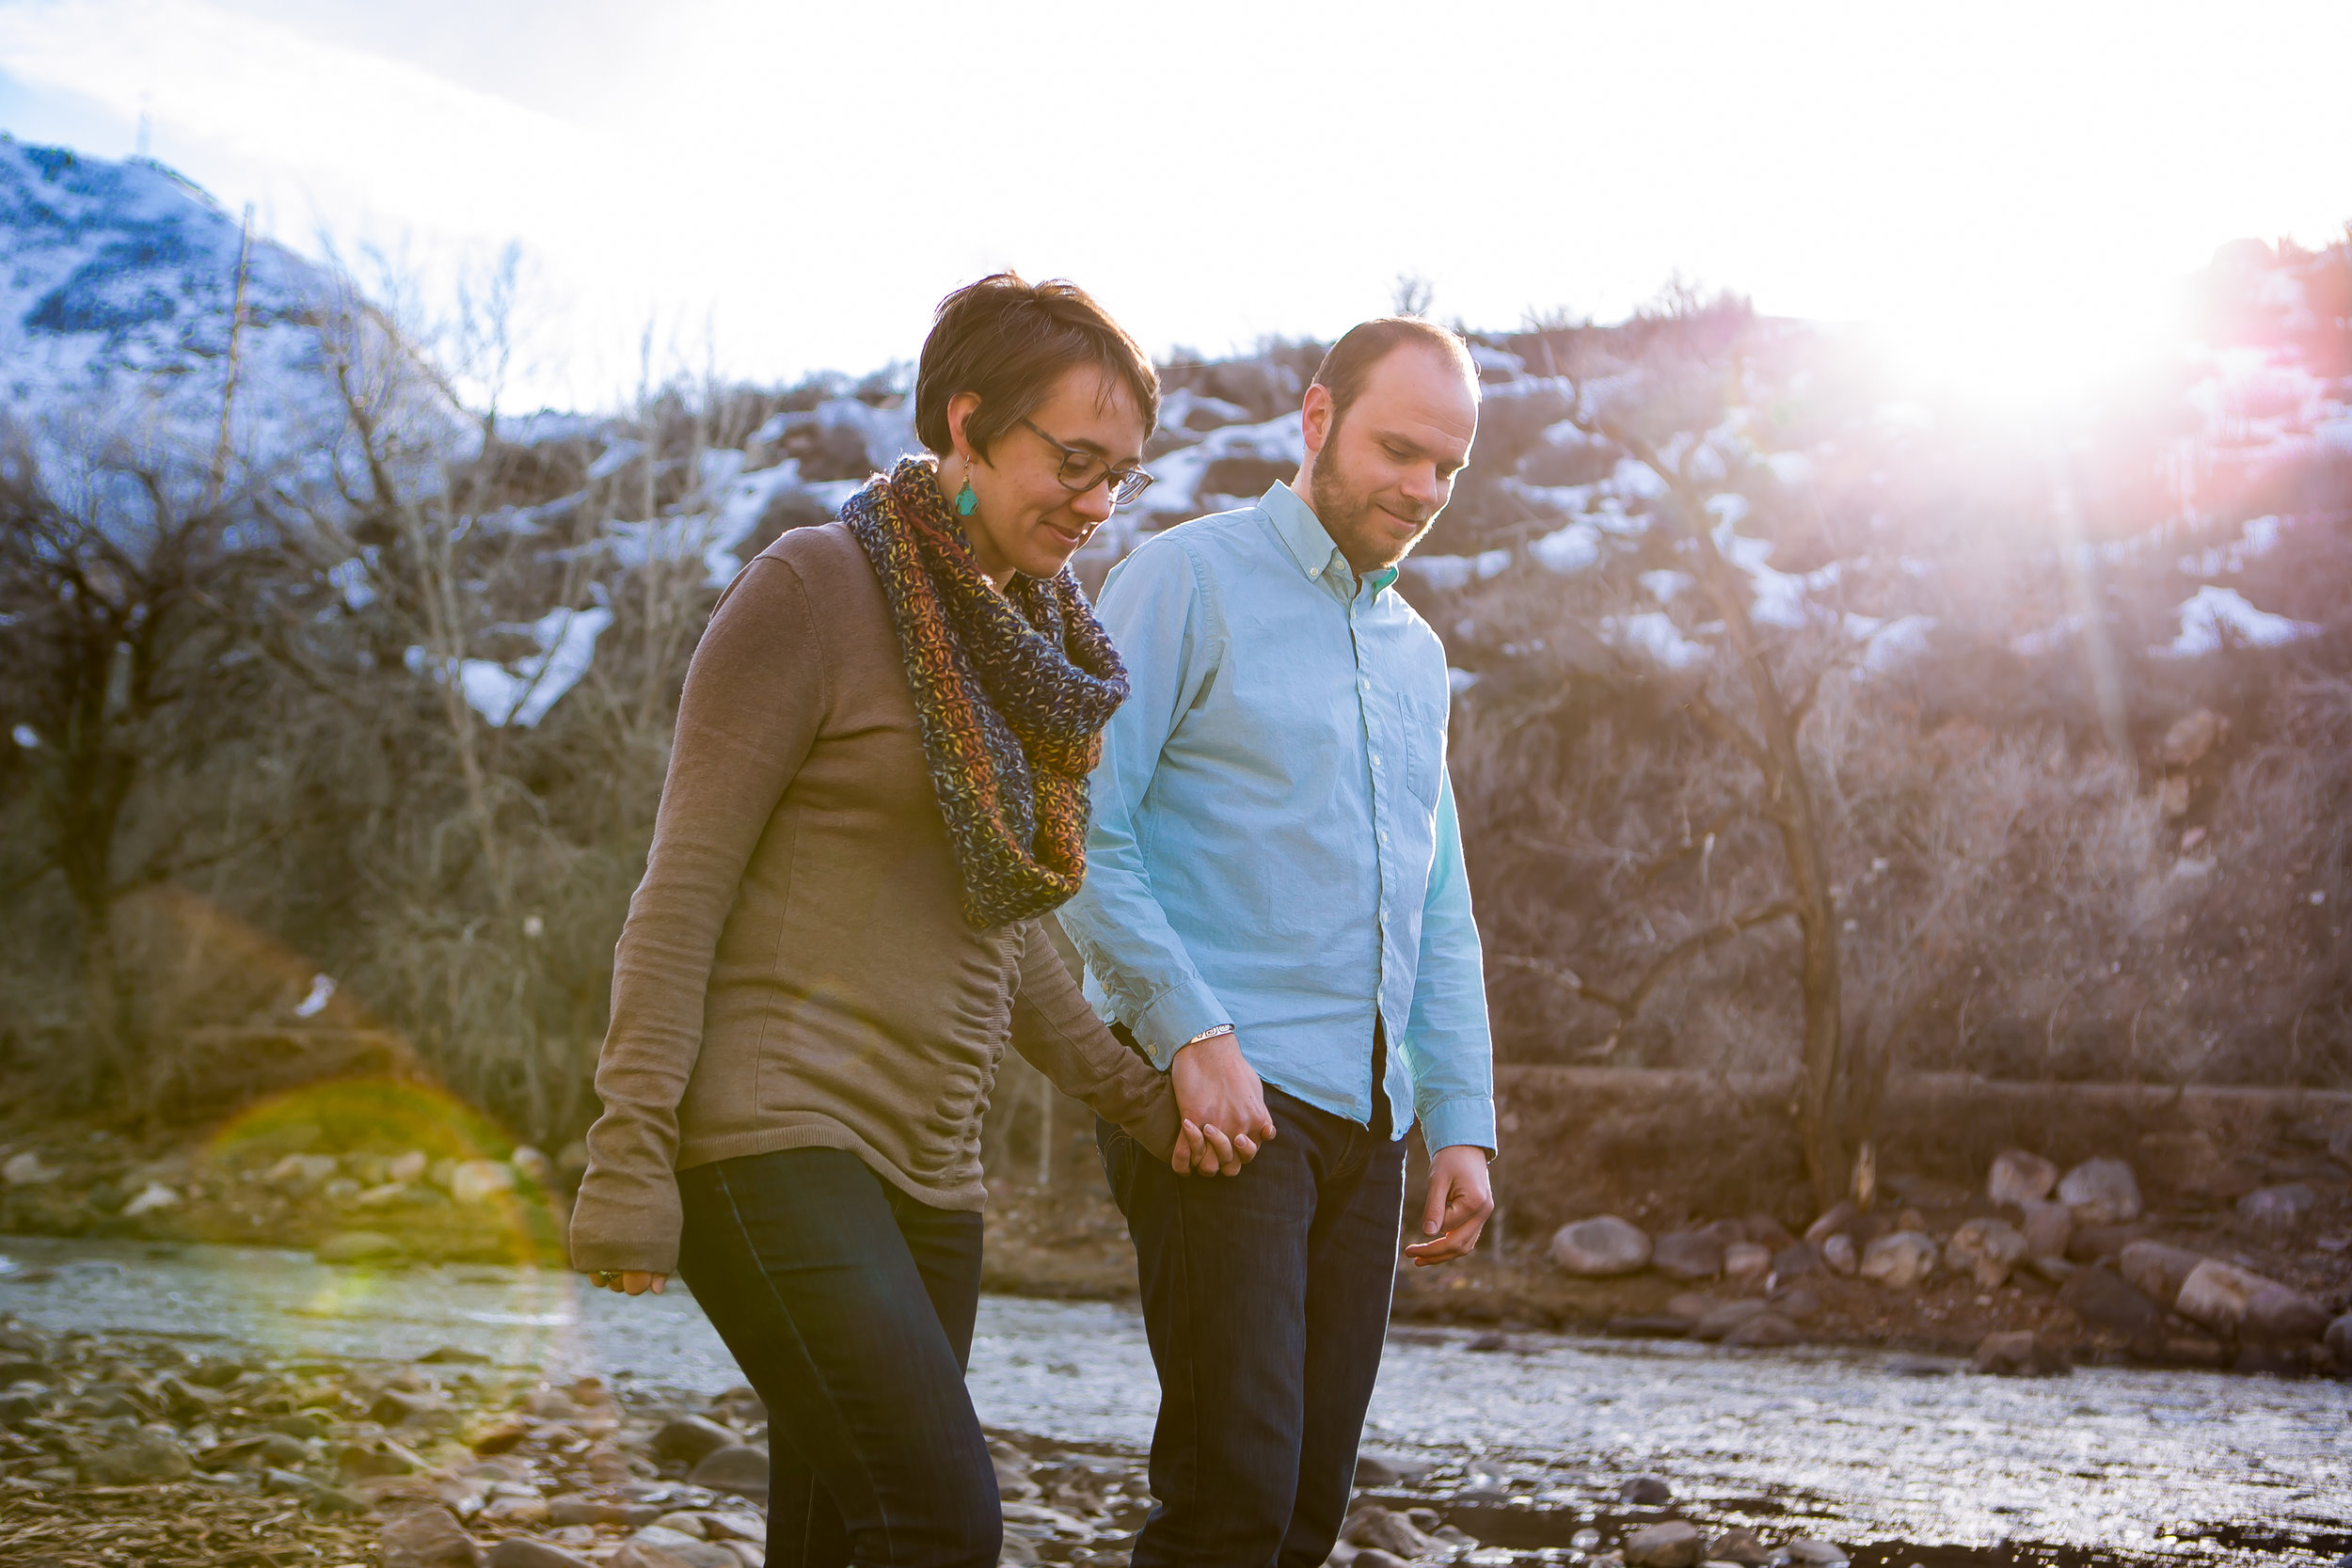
2033	1268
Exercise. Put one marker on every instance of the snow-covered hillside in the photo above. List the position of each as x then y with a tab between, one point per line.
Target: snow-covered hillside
118	284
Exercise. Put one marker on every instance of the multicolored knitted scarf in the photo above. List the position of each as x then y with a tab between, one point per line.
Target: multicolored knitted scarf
1013	691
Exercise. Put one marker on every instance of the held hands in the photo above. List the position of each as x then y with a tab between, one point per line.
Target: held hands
1460	1198
630	1282
1217	1089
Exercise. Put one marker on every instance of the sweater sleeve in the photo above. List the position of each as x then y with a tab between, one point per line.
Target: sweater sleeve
1054	1029
756	694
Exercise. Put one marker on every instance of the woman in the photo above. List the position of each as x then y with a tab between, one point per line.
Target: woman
878	786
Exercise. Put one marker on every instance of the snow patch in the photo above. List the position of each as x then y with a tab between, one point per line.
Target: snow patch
1569	551
2211	614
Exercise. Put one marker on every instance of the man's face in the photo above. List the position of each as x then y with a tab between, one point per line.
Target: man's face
1386	469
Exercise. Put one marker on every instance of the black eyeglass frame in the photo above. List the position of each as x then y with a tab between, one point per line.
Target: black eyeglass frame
1125	488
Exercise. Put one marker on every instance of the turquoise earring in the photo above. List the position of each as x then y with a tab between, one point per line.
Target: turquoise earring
966	502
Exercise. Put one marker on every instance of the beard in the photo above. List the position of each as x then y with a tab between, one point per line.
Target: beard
1354	516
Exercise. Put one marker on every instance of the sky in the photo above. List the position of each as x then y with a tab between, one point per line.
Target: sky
764	187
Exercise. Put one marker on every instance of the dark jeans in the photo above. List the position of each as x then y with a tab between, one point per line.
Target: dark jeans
1265	1297
849	1308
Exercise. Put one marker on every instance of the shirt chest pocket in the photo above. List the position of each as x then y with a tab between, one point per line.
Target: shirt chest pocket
1423	741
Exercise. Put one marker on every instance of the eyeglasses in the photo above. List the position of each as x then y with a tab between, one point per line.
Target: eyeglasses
1082	470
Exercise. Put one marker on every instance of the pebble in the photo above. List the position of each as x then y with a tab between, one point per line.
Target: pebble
1837	1253
2018	1353
1672	1543
1601	1247
148	1456
1814	1554
2278	1207
1900	1260
520	1551
2100	1192
690	1439
1688	1255
1746	1263
1740	1545
1646	1492
1764	1329
427	1538
2020	1178
737	1468
1987	1249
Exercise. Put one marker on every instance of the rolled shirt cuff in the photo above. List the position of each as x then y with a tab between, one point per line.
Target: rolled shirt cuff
1463	1119
1169	1025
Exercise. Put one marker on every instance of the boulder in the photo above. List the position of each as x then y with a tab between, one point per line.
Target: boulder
1900	1261
1741	1545
1795	1263
1723	1319
1671	1543
1987	1248
1833	1222
1764	1329
572	1508
2104	1299
2339	1342
675	1547
1765	1231
1747	1262
2233	1301
2018	1353
2340	1148
739	1470
2100	1192
1646	1492
1688	1255
2157	1270
2100	1244
2048	1227
1809	1553
1796	1303
520	1551
690	1438
1838	1254
396	1407
427	1538
1374	1526
148	1456
1600	1246
2020	1178
2277	1208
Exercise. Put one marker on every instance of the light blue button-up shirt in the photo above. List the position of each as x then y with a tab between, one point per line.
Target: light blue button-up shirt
1274	843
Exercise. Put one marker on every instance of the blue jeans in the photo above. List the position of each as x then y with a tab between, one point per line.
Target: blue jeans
849	1308
1265	1298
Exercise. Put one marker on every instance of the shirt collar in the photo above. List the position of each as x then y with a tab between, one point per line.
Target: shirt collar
1303	535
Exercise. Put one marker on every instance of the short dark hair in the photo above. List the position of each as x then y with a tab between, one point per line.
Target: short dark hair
1348	365
1008	340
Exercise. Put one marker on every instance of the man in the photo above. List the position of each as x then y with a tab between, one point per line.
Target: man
1275	912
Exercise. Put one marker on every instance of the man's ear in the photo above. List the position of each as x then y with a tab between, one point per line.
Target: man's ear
1314	417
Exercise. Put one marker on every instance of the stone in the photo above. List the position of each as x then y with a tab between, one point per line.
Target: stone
2051	1271
26	1170
396	1407
691	1438
515	1511
2100	1192
151	1198
520	1551
1815	1554
1371	1525
2339	1342
2277	1208
2020	1178
427	1538
2157	1270
2104	1299
1747	1262
2047	1229
1900	1261
479	1180
25	1371
2339	1147
1795	1263
1723	1319
148	1456
1796	1303
2018	1353
1671	1543
572	1508
356	1246
1835	1221
739	1470
1764	1329
735	1526
1686	1255
1838	1254
685	1524
677	1546
1601	1247
2100	1244
1692	1305
2233	1301
1741	1545
1368	1557
1646	1492
1986	1248
301	1170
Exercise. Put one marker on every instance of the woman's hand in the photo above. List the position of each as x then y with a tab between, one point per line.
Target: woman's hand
1207	1151
630	1282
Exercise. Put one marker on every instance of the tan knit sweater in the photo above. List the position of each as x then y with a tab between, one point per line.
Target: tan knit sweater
795	972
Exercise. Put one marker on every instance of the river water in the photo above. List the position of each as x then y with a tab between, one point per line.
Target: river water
1851	1444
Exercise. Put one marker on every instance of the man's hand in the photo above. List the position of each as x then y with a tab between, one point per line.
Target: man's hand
1221	1100
1207	1151
1460	1198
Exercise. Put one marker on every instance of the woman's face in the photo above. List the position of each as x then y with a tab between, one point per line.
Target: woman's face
1026	519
